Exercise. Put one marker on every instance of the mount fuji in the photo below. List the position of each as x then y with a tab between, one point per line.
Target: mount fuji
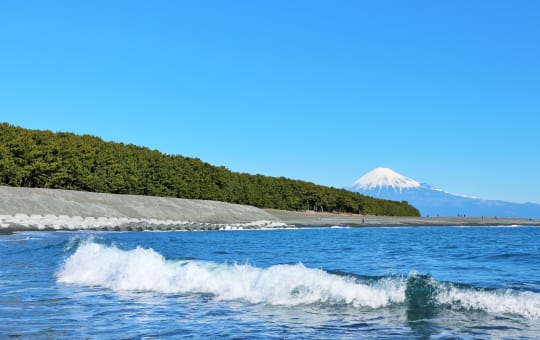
431	201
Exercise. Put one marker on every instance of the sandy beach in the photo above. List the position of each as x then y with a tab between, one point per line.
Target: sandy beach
330	219
23	209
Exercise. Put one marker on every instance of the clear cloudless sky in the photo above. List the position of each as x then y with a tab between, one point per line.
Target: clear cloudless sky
445	92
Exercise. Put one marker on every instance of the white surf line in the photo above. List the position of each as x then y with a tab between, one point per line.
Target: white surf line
64	222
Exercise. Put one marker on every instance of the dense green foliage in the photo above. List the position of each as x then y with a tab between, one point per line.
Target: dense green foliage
31	158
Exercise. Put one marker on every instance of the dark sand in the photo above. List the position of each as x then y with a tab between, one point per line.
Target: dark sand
352	220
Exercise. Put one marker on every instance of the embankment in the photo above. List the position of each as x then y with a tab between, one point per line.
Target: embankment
53	209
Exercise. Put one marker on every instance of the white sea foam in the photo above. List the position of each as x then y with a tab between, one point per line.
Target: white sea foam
146	270
141	269
496	301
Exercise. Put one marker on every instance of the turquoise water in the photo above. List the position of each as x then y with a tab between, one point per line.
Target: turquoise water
423	282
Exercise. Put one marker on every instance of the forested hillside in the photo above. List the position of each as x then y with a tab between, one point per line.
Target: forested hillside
43	159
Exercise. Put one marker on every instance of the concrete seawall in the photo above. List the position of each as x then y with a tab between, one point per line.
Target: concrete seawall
54	209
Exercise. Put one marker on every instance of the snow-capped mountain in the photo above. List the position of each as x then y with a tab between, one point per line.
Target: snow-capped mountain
381	178
431	201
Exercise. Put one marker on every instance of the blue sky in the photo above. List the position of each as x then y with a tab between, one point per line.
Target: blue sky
445	92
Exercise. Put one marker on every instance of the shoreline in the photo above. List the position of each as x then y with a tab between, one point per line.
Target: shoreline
287	219
375	222
33	209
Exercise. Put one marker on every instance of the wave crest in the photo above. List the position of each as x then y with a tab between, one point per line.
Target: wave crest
146	270
141	269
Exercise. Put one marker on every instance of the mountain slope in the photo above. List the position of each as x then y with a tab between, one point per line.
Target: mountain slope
431	201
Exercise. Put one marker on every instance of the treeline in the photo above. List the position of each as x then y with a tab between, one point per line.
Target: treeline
43	159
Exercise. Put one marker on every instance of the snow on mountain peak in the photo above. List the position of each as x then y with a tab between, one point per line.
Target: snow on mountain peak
383	177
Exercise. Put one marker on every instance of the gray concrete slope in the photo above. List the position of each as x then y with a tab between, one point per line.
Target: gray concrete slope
34	201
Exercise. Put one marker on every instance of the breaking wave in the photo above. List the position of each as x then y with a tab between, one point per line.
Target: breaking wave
146	270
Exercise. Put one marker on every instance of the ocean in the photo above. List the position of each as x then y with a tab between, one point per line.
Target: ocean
379	282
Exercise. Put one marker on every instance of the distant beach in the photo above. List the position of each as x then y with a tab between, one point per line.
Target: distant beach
352	220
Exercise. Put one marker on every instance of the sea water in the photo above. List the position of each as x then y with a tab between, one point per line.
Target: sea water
406	282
